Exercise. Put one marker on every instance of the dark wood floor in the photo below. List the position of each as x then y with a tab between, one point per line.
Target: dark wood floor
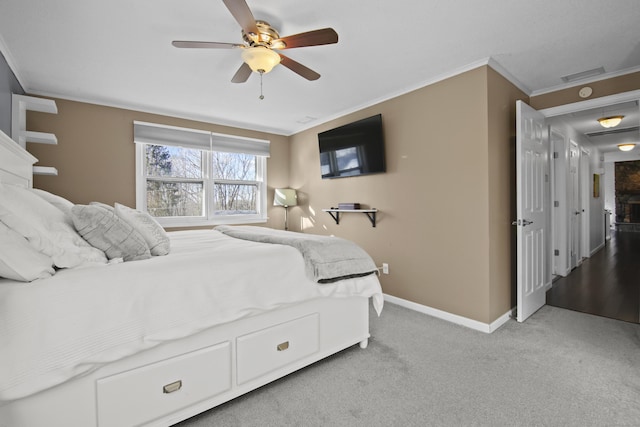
607	284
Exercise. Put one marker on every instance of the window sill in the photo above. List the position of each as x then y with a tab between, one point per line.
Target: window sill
200	222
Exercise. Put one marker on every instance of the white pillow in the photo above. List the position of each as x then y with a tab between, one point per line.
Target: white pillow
19	260
45	227
148	227
105	231
59	202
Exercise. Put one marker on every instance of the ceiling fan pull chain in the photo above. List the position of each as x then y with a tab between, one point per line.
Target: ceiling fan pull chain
261	95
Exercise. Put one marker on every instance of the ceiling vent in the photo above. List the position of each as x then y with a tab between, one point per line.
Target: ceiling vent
614	131
582	75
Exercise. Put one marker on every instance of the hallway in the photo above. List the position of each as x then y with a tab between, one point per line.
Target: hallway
607	284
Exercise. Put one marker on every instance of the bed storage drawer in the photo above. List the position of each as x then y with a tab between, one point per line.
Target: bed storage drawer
263	351
141	395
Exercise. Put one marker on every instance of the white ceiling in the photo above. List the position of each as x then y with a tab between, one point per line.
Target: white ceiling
119	52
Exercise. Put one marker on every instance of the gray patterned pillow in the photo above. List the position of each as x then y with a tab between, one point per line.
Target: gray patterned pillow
105	231
102	205
148	227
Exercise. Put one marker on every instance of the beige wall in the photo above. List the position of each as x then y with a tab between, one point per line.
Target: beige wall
95	155
445	200
502	97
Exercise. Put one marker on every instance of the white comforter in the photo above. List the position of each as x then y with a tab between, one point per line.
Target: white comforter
54	329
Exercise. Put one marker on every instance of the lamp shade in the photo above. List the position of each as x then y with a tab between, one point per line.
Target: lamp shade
260	59
285	197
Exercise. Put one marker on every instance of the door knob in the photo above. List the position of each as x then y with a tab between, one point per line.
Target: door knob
526	222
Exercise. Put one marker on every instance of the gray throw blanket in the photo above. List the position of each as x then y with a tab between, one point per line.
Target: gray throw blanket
327	259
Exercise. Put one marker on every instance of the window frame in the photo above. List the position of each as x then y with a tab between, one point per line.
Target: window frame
209	218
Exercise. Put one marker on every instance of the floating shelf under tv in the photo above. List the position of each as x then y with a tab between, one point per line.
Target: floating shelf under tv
335	214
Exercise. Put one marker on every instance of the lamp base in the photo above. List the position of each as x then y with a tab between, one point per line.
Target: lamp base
286	211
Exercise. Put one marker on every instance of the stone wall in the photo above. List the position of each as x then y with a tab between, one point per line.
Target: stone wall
627	192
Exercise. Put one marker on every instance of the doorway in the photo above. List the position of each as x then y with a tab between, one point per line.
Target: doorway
602	277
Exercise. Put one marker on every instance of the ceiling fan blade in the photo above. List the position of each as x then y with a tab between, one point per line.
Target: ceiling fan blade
205	45
298	68
240	10
242	74
310	38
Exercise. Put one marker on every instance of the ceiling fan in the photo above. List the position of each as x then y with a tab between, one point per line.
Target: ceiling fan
261	41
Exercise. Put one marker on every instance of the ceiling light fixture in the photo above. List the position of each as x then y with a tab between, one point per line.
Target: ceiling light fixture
260	59
626	147
610	122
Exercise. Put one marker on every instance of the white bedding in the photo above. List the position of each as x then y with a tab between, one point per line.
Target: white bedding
57	328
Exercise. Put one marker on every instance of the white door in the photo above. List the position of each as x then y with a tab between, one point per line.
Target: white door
532	187
576	207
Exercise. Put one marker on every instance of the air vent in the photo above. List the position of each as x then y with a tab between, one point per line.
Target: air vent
614	131
582	75
306	119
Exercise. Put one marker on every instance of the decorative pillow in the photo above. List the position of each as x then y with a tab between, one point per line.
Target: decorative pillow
148	227
105	231
102	205
45	227
19	260
59	202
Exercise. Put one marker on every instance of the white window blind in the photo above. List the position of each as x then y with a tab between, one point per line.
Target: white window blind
151	133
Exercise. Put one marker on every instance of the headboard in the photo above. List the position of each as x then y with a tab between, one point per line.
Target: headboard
16	164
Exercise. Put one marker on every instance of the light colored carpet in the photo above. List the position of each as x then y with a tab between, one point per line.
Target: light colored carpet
560	368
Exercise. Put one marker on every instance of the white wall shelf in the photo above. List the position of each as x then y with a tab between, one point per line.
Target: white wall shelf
45	170
40	137
335	214
19	133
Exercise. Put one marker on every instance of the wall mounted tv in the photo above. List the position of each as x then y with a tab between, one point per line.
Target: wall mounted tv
353	149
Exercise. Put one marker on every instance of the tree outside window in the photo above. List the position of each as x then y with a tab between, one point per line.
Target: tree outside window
178	181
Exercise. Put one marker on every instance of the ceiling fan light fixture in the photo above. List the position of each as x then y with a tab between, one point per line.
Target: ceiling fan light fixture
626	147
260	59
610	122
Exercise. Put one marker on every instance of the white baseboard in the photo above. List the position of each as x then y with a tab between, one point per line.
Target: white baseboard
593	252
449	317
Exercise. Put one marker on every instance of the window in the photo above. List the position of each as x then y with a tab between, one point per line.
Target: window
187	177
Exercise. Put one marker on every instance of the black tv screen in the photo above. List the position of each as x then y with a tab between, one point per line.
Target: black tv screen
353	149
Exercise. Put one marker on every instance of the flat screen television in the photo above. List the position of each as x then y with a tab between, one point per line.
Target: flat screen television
353	149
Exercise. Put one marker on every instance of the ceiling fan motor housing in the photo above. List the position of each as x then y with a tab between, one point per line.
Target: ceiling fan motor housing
267	37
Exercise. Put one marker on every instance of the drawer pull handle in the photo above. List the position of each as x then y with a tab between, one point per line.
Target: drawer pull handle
170	388
283	346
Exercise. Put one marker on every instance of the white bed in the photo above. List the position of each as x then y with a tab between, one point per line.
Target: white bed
114	345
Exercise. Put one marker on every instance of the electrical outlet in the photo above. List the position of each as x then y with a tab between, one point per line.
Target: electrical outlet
385	268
